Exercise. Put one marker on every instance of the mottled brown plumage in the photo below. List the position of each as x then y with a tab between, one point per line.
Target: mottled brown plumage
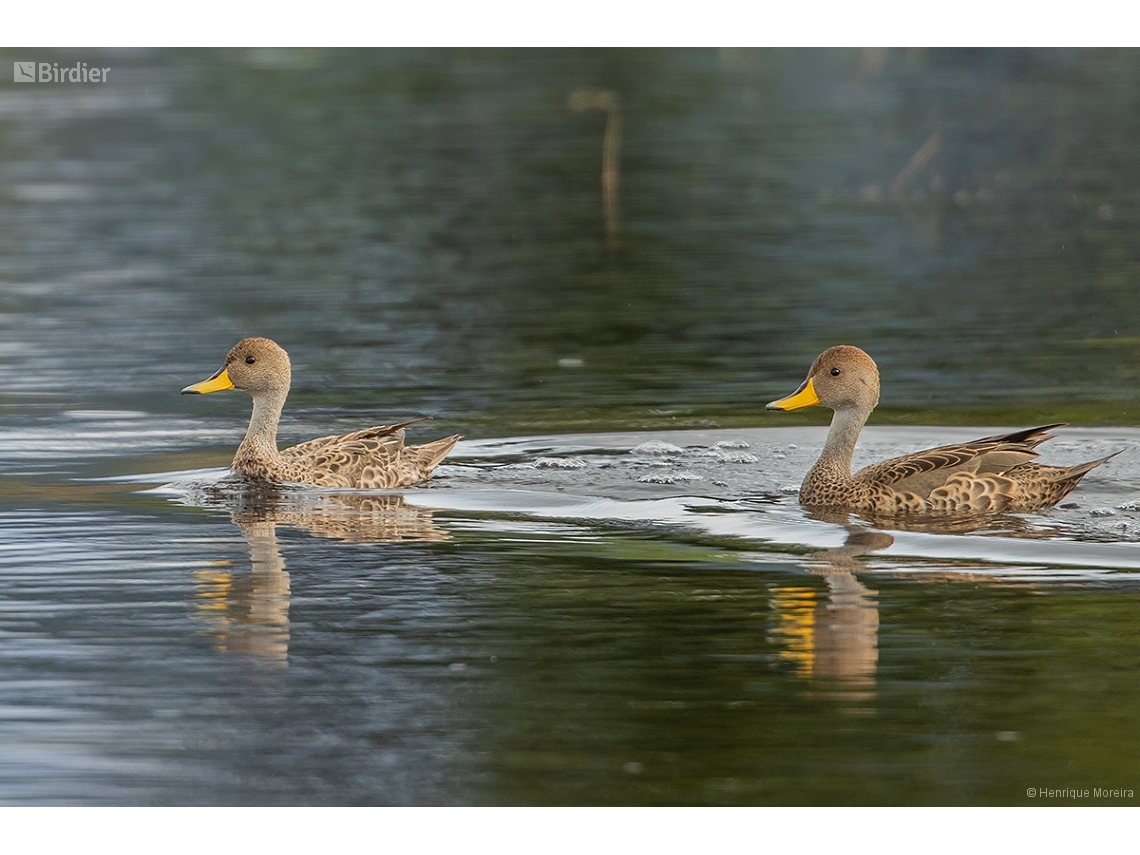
988	475
375	457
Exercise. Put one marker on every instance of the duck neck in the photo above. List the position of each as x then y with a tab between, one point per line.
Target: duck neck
835	459
260	441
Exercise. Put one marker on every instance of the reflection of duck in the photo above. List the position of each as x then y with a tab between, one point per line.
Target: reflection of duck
993	474
938	523
834	637
352	518
250	613
373	457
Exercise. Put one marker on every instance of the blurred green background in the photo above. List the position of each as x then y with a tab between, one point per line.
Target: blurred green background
425	231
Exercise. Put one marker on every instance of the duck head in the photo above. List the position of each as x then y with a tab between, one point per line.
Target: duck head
256	366
841	378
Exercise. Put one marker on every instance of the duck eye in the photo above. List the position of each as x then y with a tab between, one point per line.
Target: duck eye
834	371
249	360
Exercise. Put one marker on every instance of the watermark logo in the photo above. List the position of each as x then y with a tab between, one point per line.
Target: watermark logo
51	72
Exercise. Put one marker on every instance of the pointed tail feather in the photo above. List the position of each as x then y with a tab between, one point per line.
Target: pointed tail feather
1079	471
392	429
1032	437
1067	478
430	454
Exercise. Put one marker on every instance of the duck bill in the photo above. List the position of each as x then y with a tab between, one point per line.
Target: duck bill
804	396
218	383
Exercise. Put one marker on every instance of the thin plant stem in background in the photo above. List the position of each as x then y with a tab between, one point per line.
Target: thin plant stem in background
581	100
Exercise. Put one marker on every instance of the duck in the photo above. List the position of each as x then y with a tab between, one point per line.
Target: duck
995	474
375	457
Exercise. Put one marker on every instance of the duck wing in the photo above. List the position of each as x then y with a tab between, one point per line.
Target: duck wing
371	437
925	471
340	460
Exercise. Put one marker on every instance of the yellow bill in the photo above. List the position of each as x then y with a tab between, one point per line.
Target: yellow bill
804	396
218	383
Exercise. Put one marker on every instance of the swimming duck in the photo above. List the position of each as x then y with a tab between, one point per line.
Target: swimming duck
375	457
992	474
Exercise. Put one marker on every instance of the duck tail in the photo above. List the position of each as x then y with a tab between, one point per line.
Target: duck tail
1066	478
430	454
1081	470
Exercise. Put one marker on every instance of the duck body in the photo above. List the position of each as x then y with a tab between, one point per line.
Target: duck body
375	457
992	474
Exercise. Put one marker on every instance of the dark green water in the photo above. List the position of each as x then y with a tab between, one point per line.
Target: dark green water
556	620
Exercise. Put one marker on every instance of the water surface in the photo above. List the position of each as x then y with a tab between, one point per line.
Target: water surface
608	594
